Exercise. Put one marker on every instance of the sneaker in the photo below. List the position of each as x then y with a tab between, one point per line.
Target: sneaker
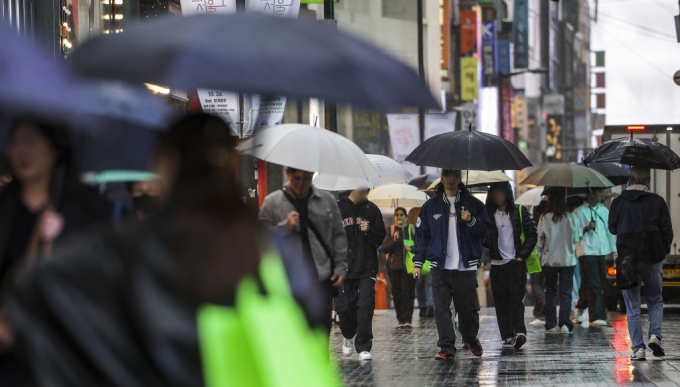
598	323
466	346
508	343
444	355
520	340
551	330
578	317
639	354
565	330
347	347
365	355
407	326
655	346
423	312
476	348
400	326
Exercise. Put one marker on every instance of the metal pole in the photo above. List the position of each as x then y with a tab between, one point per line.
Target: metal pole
331	109
421	70
500	104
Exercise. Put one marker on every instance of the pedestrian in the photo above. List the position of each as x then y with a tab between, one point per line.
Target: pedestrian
145	198
595	243
423	283
642	224
312	219
355	303
403	284
558	232
507	254
450	230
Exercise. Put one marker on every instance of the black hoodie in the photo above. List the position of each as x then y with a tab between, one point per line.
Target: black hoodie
362	257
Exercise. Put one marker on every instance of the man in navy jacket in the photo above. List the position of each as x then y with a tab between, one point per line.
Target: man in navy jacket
450	230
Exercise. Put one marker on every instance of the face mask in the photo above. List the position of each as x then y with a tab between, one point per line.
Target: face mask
147	205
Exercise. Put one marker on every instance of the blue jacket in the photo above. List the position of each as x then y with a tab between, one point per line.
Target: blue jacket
432	231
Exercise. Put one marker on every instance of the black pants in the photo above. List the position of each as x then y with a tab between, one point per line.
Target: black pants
591	291
355	305
508	284
328	291
461	287
562	278
537	290
403	293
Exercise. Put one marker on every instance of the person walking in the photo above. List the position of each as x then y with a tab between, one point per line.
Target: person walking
507	254
642	224
355	302
311	218
558	231
595	243
449	231
403	284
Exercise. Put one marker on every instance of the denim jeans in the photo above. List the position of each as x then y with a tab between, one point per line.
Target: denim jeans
593	282
424	292
355	305
561	278
651	276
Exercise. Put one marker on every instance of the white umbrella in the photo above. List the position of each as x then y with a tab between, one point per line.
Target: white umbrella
309	148
479	178
389	172
397	195
530	198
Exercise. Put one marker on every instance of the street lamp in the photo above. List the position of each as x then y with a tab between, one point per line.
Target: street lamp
501	81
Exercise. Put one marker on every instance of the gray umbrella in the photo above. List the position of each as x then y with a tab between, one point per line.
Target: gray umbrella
255	54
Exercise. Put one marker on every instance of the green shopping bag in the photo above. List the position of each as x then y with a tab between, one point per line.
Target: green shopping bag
410	265
234	340
533	262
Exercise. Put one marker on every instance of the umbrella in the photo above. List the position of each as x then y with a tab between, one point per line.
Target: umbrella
613	172
255	53
478	178
635	151
310	149
469	149
397	195
389	171
423	182
567	175
120	176
530	198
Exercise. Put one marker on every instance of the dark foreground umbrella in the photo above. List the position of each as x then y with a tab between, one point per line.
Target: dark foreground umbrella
469	150
613	172
636	152
254	53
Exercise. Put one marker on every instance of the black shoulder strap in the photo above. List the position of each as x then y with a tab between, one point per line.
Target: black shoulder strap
310	225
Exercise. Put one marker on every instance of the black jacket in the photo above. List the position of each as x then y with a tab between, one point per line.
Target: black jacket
530	234
636	212
362	256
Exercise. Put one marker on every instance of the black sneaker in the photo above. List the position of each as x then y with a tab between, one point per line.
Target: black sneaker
520	340
466	346
476	348
430	312
655	346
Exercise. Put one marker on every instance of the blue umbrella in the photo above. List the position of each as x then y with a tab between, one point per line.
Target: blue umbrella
255	54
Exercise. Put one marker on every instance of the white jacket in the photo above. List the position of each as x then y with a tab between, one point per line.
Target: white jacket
556	240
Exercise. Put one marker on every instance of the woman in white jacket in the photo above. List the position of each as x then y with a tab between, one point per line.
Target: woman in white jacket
558	231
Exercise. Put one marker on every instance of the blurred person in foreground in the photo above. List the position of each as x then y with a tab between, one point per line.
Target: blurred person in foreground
310	218
595	243
118	308
642	224
403	284
146	199
424	282
508	255
557	233
355	303
449	231
39	208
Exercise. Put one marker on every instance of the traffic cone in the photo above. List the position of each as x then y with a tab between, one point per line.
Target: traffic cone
381	292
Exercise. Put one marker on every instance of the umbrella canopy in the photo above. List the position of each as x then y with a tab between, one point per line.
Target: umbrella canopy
117	177
423	182
635	151
613	172
469	149
530	198
309	148
397	195
389	171
255	53
478	178
567	175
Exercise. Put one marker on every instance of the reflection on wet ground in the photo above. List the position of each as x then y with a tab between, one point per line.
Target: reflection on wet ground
588	357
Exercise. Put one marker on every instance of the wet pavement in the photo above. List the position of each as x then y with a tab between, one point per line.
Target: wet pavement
588	357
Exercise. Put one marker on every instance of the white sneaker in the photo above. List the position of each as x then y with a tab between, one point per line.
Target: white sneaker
509	343
598	323
551	330
365	356
347	347
578	317
565	330
640	354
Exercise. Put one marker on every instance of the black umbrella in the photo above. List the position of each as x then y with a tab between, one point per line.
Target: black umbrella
423	182
469	150
636	152
258	54
613	172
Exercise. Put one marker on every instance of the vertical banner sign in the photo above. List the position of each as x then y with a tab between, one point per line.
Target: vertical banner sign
404	137
438	123
468	31
489	47
503	48
508	132
263	113
289	8
445	23
521	34
468	78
